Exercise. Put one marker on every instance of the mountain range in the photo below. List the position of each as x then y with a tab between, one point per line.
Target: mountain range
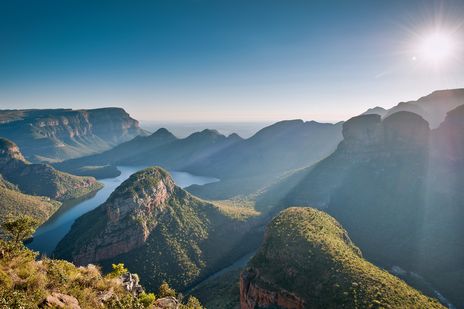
390	179
57	134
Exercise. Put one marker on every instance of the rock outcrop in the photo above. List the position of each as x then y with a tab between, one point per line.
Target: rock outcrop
307	260
41	179
59	300
433	107
58	134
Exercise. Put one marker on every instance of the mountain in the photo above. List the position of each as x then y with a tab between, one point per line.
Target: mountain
160	148
432	107
242	165
41	179
307	260
156	228
59	134
261	159
396	183
13	202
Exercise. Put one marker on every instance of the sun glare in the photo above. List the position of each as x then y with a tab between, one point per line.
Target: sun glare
436	48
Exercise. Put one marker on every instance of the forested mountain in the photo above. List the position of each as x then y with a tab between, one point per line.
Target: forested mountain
157	228
307	260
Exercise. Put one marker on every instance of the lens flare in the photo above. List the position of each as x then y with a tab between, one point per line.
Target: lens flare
436	48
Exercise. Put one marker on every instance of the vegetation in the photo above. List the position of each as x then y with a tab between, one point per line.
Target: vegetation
20	228
309	254
14	203
187	238
26	282
41	179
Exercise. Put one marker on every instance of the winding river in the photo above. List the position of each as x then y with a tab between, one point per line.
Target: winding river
49	234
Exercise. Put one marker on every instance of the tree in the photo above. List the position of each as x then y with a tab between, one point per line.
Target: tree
118	270
193	303
165	290
19	228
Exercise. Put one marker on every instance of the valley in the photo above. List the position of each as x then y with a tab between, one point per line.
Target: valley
54	229
228	237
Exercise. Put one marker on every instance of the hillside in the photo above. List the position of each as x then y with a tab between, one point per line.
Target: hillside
393	182
261	159
59	134
432	107
14	203
28	282
41	179
160	148
155	227
307	260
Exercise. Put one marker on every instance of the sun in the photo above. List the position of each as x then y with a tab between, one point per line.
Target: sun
436	48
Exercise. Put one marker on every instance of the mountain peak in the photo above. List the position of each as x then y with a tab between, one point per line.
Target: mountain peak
162	132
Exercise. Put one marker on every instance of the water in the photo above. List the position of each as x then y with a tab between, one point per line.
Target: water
51	232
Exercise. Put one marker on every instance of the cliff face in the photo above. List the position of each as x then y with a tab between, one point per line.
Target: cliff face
393	179
144	202
155	227
432	107
41	179
254	296
49	135
307	260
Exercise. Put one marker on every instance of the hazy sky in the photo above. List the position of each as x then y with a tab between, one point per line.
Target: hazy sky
231	60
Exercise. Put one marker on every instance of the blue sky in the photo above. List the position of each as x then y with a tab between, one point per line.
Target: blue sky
201	60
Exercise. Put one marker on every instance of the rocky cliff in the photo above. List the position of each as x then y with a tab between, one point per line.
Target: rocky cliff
432	107
392	179
155	227
58	134
307	260
41	179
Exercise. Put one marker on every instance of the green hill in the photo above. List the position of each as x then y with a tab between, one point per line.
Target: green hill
13	202
41	179
157	228
307	260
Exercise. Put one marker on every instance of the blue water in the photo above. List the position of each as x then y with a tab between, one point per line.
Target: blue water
48	235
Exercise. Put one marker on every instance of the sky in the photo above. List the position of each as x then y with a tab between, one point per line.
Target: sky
226	61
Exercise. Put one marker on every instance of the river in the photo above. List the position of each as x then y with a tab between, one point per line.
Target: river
49	234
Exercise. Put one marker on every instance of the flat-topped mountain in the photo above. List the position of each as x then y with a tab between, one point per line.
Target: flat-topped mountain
432	107
155	227
41	179
307	260
59	134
